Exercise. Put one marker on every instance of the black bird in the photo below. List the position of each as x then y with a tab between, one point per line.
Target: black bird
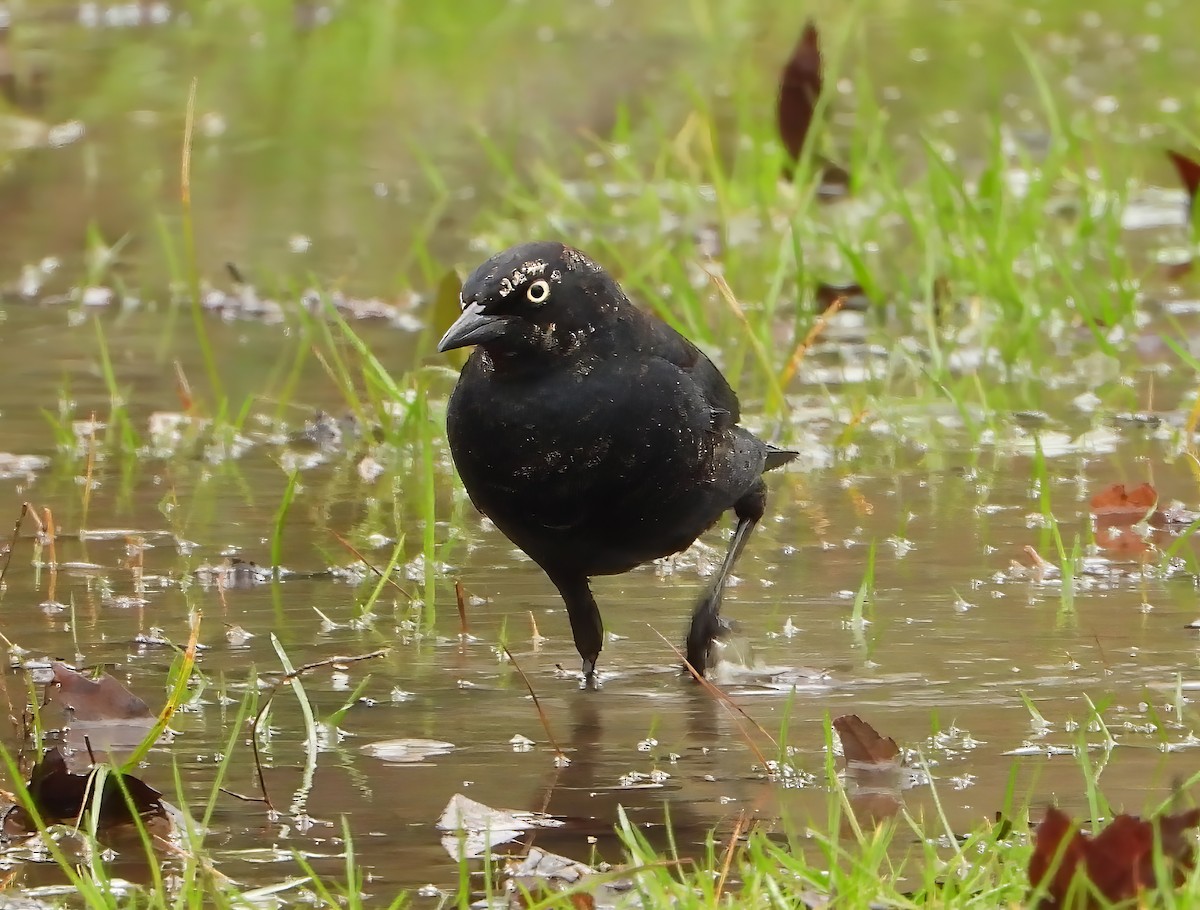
594	435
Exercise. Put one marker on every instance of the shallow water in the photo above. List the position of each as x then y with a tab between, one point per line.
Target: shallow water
303	185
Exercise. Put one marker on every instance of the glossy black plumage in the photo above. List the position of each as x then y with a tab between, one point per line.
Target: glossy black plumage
594	435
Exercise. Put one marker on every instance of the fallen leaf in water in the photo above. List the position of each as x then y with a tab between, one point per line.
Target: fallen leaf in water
97	699
1189	174
1120	861
538	863
1117	510
407	751
874	770
862	745
104	715
474	828
61	796
1116	503
540	874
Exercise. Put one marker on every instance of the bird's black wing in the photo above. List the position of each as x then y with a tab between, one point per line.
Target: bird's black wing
660	340
665	342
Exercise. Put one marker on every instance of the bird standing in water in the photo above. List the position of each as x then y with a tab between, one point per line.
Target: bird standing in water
594	435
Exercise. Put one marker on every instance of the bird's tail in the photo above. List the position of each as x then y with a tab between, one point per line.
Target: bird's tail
777	457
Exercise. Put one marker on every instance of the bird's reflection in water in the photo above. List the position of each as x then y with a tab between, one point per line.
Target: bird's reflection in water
705	791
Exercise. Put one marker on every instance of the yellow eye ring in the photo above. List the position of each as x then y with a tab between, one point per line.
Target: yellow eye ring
538	291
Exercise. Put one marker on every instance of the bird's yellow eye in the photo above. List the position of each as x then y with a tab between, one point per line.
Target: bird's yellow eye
538	291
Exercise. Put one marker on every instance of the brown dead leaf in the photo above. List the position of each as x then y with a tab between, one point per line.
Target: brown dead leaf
799	88
1116	503
1116	510
1189	175
95	699
61	796
862	745
874	773
1119	861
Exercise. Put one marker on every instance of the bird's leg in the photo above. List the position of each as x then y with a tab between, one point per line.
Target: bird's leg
706	619
586	626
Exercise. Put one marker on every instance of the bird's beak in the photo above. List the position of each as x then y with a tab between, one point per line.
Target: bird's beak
474	326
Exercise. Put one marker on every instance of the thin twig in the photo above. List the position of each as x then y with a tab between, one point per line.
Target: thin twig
185	161
50	538
91	466
818	327
536	636
246	798
460	597
1103	656
12	543
183	389
725	863
726	294
330	661
282	681
388	577
537	704
729	704
545	810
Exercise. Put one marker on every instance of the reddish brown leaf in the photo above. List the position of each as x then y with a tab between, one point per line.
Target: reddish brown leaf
799	89
1172	835
1048	847
873	770
1119	862
862	745
1116	509
95	699
1189	174
1117	505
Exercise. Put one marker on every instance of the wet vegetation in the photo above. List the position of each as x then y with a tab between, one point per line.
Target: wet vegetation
261	650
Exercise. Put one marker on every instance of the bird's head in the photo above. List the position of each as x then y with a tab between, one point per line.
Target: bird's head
540	298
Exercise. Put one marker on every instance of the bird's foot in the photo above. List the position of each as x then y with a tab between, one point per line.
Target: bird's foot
707	626
590	678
